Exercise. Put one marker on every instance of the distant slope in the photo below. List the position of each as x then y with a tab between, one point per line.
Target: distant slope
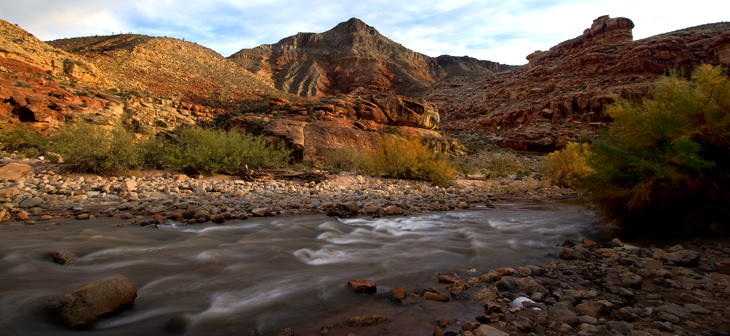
349	56
19	45
170	68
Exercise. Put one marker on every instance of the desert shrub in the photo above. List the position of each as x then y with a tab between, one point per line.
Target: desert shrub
503	164
25	140
391	129
153	150
567	167
22	83
346	159
409	158
211	151
161	123
257	126
98	149
663	166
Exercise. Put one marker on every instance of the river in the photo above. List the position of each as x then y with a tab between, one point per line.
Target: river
259	276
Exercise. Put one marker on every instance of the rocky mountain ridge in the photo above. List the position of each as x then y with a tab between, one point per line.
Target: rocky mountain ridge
352	55
562	94
169	68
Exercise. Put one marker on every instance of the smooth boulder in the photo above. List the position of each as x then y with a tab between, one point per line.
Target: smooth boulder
85	304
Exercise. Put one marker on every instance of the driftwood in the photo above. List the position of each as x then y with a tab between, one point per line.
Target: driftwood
479	177
269	175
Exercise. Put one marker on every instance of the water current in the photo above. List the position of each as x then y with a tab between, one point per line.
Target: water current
259	276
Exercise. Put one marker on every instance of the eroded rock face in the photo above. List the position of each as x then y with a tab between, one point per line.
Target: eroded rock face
562	94
351	55
18	45
85	304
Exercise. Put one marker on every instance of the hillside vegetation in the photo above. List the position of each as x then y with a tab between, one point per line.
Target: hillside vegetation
663	167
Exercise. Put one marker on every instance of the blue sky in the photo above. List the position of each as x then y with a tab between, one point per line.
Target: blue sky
501	31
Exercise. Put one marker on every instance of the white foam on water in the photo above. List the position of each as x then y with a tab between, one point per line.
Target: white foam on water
125	319
325	255
208	256
340	238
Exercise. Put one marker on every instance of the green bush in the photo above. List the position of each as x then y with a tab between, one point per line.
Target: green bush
346	159
98	149
153	151
568	167
409	158
503	164
209	151
663	166
25	140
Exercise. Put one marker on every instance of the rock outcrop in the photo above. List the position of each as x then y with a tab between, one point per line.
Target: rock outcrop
314	128
351	55
561	95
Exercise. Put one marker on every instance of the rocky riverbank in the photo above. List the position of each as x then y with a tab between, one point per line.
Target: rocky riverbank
589	289
34	190
614	289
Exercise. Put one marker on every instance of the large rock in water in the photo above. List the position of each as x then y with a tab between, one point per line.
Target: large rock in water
85	304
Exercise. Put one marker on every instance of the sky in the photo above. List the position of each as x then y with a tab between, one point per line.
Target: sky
502	31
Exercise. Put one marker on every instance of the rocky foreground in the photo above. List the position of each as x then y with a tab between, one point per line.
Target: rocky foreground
43	193
589	289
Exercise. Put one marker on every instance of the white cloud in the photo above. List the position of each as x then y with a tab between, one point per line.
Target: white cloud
503	31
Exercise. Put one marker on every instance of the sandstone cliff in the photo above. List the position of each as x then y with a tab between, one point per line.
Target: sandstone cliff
562	94
169	68
46	87
349	56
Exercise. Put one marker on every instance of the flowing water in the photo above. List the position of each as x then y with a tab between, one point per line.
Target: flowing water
259	276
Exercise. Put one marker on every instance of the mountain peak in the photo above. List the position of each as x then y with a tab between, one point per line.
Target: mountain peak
353	25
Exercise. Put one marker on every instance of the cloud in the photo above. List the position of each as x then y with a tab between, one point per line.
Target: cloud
502	31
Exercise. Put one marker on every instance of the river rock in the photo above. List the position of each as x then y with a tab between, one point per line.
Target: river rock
398	293
485	330
128	186
62	257
631	280
9	192
85	304
675	310
393	210
723	266
21	215
31	202
260	212
362	286
593	308
436	297
626	314
620	326
457	287
490	277
366	320
13	171
682	258
561	314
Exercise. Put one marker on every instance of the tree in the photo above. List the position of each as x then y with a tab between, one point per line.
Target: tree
663	166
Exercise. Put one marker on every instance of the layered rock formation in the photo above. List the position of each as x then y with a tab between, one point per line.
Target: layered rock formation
169	68
314	128
562	94
352	55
